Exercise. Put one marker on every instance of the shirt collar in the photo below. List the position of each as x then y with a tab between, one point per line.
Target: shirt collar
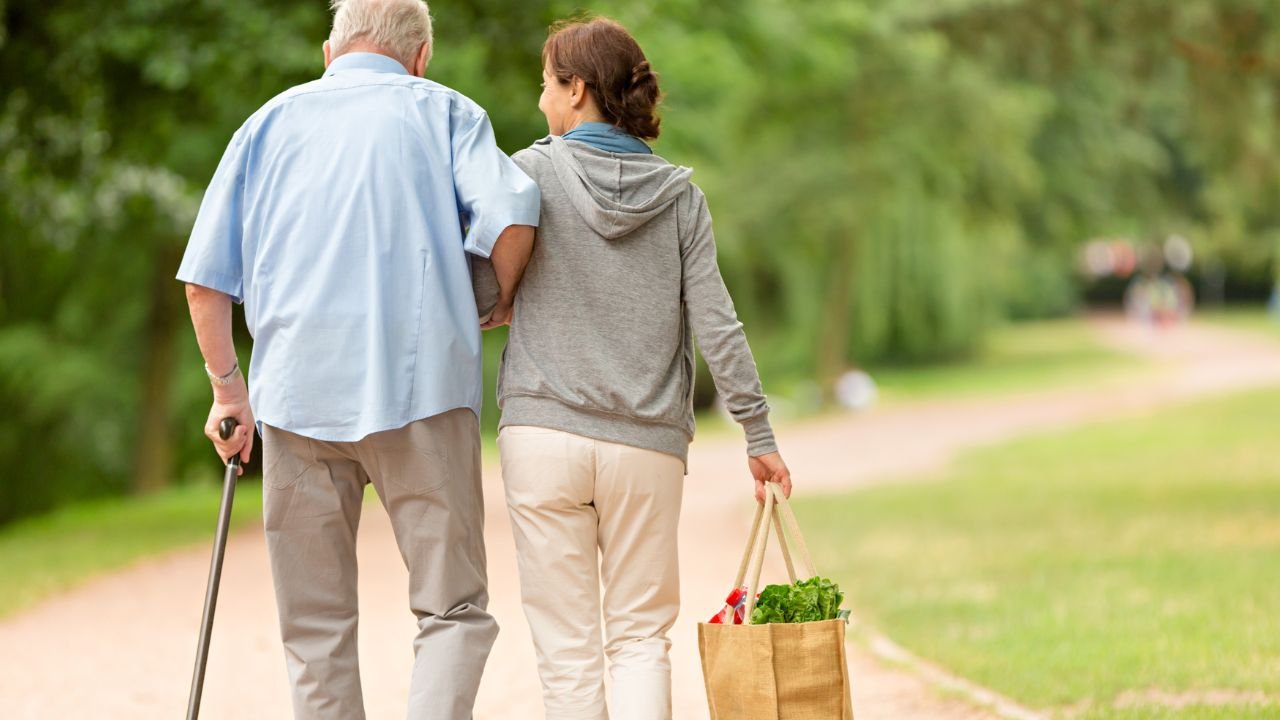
365	61
609	138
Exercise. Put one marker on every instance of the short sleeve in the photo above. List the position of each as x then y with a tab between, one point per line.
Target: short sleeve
491	190
213	258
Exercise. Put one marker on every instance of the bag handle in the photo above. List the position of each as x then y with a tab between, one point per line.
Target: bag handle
759	541
746	552
782	545
783	508
741	577
775	504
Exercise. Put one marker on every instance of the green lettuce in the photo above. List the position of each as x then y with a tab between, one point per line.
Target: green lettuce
806	601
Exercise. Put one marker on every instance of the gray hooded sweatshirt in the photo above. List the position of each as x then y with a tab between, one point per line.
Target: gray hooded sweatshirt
622	279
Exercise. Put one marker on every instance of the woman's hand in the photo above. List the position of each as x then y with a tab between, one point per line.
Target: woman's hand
770	468
500	316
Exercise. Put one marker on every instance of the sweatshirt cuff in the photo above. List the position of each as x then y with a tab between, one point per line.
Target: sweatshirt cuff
760	440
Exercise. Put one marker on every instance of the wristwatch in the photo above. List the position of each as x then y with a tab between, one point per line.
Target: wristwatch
222	380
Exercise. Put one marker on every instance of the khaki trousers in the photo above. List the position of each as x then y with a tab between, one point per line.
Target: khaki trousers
427	475
585	513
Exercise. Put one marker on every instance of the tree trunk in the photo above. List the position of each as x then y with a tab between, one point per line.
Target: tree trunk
153	460
833	337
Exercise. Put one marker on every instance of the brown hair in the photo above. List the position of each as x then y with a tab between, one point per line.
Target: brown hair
610	62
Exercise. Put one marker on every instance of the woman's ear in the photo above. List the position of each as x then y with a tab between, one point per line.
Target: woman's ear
577	92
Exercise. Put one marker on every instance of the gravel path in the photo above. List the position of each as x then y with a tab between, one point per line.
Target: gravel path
121	646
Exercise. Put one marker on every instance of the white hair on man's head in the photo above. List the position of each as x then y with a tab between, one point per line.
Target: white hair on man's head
397	27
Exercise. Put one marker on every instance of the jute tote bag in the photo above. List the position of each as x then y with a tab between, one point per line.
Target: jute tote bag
779	671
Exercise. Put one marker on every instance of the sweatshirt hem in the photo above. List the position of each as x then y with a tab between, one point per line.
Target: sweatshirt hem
553	414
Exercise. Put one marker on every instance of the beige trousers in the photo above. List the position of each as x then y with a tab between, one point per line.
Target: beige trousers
427	475
585	513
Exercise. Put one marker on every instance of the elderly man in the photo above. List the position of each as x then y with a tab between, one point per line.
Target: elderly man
334	217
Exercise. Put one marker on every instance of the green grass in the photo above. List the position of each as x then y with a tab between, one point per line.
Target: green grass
1193	712
1243	317
1020	357
1071	568
48	554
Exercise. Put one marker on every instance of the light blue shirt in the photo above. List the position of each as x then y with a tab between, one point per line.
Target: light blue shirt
336	216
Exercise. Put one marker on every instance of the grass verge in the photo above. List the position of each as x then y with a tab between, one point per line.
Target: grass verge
1075	570
1020	357
48	554
1243	317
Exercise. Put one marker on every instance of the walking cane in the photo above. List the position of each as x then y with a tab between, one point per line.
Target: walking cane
225	429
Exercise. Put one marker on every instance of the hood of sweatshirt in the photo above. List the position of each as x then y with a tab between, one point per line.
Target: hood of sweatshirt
615	194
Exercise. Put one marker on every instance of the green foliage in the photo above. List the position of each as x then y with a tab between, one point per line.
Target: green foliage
804	601
111	120
890	178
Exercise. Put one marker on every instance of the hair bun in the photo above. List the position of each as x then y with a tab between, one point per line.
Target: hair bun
641	73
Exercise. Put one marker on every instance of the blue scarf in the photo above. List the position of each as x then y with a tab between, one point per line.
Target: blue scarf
604	136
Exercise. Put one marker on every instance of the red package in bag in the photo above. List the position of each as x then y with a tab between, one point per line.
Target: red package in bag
734	609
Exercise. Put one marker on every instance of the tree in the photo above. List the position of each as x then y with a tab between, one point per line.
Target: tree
113	116
888	177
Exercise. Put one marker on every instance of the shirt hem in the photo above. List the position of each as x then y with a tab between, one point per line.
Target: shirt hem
342	433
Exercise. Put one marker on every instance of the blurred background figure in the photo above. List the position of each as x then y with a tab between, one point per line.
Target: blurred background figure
1156	290
856	391
1160	295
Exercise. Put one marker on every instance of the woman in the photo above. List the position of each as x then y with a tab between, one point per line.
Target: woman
597	379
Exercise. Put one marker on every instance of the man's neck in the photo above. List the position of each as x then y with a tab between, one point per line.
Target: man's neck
362	47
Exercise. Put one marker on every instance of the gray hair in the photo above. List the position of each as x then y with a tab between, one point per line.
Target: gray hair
397	27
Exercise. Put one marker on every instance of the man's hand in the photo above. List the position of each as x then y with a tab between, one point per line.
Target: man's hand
770	468
232	401
500	316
